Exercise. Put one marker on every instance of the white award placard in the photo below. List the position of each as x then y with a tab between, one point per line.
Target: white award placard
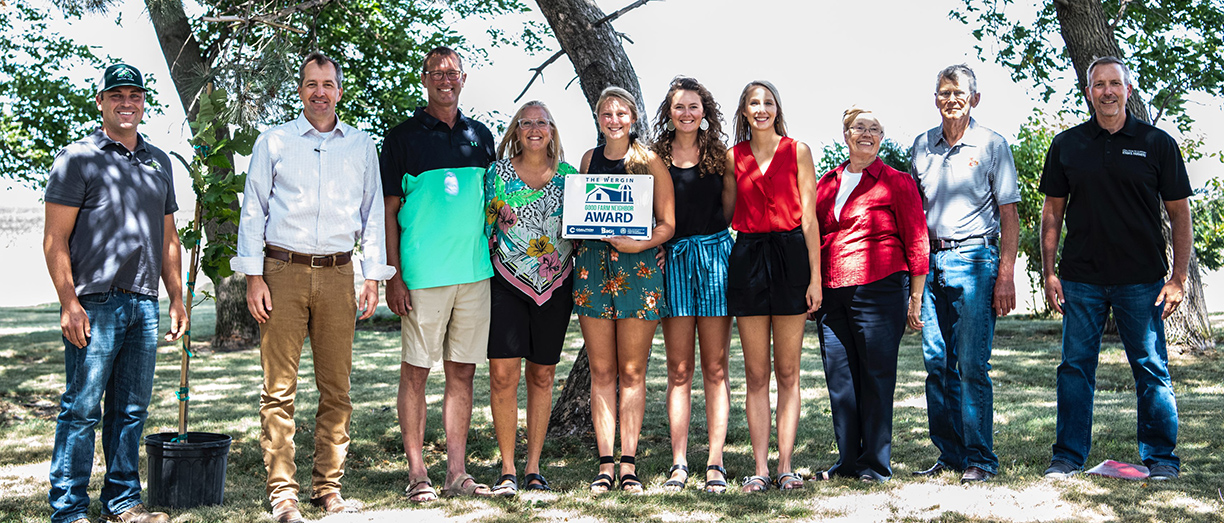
600	206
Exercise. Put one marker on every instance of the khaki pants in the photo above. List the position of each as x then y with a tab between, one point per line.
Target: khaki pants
321	303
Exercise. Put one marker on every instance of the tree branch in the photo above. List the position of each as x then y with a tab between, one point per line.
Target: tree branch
617	14
539	70
1118	19
270	19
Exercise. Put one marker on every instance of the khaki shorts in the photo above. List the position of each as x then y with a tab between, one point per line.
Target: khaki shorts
449	323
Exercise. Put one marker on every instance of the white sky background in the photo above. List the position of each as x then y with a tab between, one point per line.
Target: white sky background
823	56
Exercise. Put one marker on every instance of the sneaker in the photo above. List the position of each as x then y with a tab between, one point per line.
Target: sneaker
1061	470
1162	472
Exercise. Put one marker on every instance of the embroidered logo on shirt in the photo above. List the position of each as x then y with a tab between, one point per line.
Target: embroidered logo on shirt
1134	152
451	184
973	162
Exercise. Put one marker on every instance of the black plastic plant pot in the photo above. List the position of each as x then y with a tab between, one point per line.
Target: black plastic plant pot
185	474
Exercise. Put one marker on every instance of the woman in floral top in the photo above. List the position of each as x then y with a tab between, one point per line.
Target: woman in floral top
532	287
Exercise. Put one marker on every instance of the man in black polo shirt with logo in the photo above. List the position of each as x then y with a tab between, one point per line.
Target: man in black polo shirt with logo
1108	176
433	168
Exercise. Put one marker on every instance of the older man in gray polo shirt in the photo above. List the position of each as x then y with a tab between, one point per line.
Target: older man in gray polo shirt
109	235
968	182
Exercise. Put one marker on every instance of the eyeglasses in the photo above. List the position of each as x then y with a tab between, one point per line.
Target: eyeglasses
948	95
858	129
534	124
450	75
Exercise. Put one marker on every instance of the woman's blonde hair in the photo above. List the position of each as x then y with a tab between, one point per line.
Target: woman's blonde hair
510	145
638	156
853	113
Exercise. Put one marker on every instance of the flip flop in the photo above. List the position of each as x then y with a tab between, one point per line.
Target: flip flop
506	486
460	486
420	490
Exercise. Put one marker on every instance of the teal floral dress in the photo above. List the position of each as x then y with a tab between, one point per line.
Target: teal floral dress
614	285
524	226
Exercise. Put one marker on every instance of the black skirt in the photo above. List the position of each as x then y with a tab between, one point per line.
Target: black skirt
768	274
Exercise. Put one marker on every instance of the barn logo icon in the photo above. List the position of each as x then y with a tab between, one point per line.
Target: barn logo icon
609	193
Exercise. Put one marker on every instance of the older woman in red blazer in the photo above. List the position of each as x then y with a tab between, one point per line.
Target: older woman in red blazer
874	255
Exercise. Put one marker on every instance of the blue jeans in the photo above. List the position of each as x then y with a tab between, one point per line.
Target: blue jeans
959	322
117	362
1142	333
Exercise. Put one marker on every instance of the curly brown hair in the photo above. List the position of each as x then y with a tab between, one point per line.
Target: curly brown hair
711	141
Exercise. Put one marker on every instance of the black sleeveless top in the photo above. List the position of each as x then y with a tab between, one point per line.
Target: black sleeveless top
601	165
699	210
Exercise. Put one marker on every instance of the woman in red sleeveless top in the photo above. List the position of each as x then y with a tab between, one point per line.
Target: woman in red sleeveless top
773	278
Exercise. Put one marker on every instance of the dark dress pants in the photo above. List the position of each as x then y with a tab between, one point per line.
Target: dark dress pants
860	333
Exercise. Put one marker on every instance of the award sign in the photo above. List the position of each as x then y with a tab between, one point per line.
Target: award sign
600	206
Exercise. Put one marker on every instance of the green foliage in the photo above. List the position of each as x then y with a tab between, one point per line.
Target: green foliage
1207	210
894	155
41	110
1029	151
1175	47
215	184
379	45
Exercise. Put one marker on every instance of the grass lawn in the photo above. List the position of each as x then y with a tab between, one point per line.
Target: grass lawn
225	397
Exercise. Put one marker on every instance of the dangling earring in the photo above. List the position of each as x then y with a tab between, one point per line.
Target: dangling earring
515	149
670	125
705	125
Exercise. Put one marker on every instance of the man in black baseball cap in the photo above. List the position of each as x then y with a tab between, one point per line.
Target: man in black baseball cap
109	236
120	75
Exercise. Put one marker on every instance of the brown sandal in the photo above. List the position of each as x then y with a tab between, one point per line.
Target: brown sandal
420	490
460	487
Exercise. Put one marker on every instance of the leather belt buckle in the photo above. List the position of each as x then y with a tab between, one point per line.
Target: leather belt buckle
326	261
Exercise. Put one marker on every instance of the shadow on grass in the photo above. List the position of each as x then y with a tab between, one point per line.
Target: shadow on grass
225	398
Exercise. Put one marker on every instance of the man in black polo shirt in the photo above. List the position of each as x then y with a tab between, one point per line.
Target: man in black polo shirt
1109	176
433	168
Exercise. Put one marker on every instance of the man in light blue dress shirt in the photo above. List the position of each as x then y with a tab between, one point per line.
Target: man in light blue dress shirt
312	193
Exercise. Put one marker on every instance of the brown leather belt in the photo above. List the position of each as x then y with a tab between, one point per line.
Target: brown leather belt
314	260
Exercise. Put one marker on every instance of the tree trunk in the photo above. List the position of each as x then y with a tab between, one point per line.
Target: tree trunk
595	50
600	61
235	328
571	414
1085	31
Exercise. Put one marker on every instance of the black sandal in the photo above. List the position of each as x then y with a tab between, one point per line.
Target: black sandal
603	482
507	485
716	486
540	482
629	483
673	485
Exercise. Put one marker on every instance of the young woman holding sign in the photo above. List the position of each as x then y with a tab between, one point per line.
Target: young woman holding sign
618	293
690	143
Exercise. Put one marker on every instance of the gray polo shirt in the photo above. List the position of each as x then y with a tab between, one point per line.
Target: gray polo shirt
963	186
123	199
